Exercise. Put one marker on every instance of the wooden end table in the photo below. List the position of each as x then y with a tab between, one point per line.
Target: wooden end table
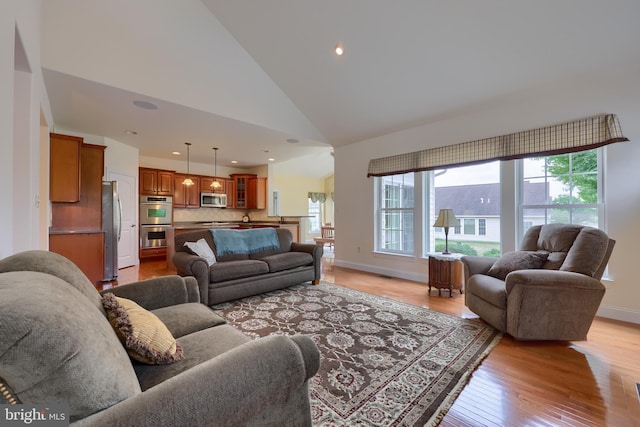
445	272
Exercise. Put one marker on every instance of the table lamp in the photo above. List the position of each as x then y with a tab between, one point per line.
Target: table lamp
446	219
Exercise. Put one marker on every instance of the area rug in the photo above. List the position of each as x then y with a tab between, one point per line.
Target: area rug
383	362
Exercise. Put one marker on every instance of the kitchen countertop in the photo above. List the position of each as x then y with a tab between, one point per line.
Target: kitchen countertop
229	224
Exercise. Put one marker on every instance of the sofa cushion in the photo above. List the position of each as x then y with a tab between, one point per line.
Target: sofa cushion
230	270
55	345
184	319
285	261
202	249
518	260
200	347
143	334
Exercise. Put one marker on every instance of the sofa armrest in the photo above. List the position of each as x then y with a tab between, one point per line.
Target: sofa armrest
188	264
232	389
159	291
316	252
476	265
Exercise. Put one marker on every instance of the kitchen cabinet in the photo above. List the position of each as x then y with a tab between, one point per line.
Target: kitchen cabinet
186	196
250	191
231	193
86	250
205	185
86	213
156	182
257	193
64	168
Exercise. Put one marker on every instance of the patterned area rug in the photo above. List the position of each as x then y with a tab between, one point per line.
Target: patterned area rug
384	363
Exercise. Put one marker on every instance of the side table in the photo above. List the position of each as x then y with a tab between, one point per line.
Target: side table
445	272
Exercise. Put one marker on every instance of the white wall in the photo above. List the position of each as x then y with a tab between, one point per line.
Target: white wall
22	97
620	95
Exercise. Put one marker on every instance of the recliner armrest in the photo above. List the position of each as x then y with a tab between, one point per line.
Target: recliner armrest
159	291
551	278
476	265
229	390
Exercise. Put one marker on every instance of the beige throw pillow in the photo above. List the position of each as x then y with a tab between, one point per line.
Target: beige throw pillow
143	334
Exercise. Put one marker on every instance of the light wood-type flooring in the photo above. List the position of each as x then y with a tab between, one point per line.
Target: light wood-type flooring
587	383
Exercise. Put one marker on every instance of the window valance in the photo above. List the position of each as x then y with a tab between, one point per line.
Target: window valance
569	137
317	197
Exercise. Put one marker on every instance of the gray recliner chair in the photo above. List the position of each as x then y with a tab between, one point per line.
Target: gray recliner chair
548	290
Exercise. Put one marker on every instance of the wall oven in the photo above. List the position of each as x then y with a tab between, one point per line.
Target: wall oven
156	210
153	236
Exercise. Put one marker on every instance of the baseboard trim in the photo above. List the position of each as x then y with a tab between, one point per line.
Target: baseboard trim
622	314
383	271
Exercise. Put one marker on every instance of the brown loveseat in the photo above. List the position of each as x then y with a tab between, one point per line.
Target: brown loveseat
548	290
233	276
57	346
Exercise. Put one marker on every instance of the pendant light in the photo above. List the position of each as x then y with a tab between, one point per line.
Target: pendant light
187	180
215	184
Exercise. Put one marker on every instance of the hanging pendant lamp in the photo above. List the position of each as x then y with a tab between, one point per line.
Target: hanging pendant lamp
187	180
215	183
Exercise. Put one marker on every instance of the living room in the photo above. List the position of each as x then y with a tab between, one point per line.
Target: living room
608	83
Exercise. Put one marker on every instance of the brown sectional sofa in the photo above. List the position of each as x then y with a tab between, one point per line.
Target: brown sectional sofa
235	276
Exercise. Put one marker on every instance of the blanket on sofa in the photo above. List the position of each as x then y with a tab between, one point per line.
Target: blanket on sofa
245	241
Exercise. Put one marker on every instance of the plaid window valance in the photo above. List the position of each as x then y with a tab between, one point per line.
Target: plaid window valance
569	137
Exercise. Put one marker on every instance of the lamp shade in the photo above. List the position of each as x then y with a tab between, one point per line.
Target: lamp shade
446	218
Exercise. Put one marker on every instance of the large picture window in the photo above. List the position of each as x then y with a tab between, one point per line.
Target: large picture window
473	192
395	214
562	189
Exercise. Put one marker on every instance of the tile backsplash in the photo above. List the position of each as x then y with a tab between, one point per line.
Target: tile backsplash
214	214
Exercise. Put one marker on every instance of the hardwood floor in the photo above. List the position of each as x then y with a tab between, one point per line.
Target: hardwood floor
588	383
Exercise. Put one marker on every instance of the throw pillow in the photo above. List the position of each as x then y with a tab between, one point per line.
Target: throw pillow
519	260
202	249
143	334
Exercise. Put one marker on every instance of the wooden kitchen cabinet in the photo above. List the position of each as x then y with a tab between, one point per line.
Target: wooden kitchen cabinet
186	196
205	184
156	182
445	272
231	193
257	193
86	213
86	250
250	192
64	168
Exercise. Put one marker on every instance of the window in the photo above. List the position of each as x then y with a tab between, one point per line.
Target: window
482	227
395	213
314	217
563	188
473	192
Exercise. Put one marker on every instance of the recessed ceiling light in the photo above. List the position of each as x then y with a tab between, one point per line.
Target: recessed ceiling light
339	50
234	161
292	141
145	105
130	132
176	153
271	159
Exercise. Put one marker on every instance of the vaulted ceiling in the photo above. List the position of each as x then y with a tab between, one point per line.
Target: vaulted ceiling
247	75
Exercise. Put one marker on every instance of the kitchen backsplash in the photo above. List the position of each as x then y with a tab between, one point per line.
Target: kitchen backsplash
213	214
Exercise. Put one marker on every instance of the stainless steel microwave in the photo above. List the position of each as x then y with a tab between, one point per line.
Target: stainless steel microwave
213	200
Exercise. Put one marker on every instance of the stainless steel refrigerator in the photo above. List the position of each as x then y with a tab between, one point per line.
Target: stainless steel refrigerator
111	225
